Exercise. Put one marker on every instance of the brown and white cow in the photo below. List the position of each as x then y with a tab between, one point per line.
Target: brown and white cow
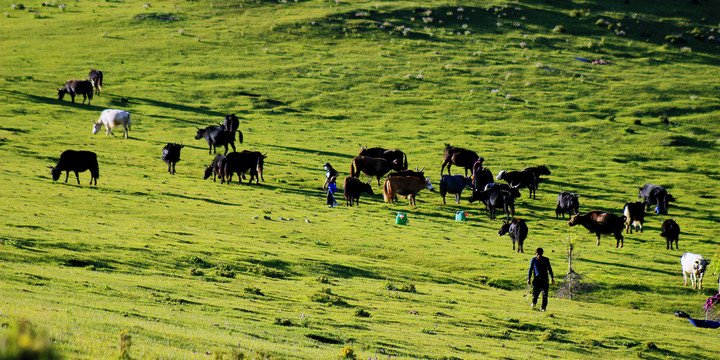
406	186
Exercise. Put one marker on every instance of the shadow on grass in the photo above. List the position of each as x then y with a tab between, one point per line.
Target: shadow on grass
55	101
314	152
648	270
211	201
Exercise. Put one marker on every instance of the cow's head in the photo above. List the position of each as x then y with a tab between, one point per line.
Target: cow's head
55	172
543	170
368	188
574	221
61	93
700	265
504	228
500	175
428	185
200	133
208	172
96	127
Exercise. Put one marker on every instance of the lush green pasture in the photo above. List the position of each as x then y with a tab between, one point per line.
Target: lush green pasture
192	269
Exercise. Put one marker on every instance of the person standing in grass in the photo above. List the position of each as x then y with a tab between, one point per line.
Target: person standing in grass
330	176
540	268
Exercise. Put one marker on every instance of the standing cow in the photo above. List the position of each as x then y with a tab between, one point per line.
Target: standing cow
694	265
96	78
567	203
600	222
520	179
495	197
459	157
231	124
171	155
77	87
373	166
406	186
216	136
634	216
353	187
453	184
670	230
216	168
518	231
655	195
112	118
391	155
481	176
76	161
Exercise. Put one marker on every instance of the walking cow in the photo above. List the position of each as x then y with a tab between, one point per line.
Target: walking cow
76	161
112	118
459	157
393	156
373	166
171	155
518	231
216	136
453	184
406	186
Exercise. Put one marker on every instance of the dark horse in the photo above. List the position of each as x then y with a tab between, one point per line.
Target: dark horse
75	87
95	78
460	157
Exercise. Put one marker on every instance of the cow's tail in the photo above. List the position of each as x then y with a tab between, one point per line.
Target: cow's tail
352	168
405	164
240	136
386	191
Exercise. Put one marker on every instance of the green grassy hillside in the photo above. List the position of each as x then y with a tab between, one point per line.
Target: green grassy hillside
192	269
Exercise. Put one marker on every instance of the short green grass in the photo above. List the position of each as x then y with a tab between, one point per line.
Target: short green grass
191	269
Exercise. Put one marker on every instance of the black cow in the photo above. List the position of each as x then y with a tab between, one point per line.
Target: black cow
459	157
216	136
538	171
353	187
171	155
242	162
260	162
634	216
231	124
372	166
518	231
567	203
600	222
655	195
420	174
453	184
75	87
505	187
670	230
481	176
520	179
77	161
96	78
391	155
495	198
216	168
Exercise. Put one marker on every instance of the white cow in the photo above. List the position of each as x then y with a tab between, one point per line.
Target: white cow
695	265
112	118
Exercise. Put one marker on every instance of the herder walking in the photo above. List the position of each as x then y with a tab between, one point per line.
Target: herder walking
540	267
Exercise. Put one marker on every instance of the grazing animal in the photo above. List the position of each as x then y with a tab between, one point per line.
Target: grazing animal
454	184
481	177
96	78
567	203
670	230
496	198
75	87
406	186
216	136
171	155
372	166
353	187
417	173
655	195
77	161
498	186
391	155
518	231
634	216
112	118
600	222
231	124
520	179
694	265
216	168
459	157
242	162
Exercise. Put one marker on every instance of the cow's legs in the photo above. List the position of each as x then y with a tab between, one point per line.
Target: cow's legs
597	243
676	246
67	174
231	144
457	198
77	177
72	97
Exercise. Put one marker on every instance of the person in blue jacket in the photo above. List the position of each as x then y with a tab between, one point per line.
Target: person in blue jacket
540	268
330	185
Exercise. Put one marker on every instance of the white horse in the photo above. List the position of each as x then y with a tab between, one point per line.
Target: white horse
112	118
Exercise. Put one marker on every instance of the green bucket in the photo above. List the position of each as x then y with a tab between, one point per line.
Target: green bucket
401	218
460	216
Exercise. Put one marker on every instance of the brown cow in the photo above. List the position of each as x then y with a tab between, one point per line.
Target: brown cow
353	187
77	87
371	166
460	157
406	186
390	155
600	222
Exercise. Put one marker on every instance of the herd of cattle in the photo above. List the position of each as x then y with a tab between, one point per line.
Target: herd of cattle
378	162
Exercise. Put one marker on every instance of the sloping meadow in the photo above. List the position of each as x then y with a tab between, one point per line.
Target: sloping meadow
191	268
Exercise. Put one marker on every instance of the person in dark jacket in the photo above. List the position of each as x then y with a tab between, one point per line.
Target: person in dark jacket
330	185
540	268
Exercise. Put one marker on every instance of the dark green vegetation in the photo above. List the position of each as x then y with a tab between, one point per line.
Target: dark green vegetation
187	268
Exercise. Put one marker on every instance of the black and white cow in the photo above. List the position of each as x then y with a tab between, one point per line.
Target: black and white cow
634	216
655	195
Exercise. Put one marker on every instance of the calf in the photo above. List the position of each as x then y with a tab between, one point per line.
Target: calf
77	161
453	184
655	195
112	118
171	155
600	222
372	166
634	215
406	186
518	231
353	187
694	265
216	136
216	168
567	203
670	230
495	198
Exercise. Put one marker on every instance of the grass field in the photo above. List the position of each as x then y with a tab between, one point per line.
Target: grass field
191	269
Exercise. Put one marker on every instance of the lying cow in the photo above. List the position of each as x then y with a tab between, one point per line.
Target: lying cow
216	168
454	184
76	161
634	216
567	203
353	187
518	231
171	155
600	222
670	230
694	265
112	118
406	186
655	195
